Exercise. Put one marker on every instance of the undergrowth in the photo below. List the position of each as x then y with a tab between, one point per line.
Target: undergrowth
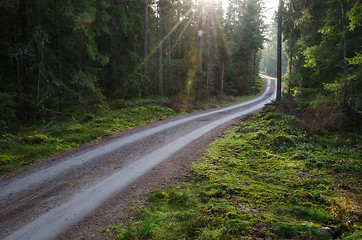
30	144
267	178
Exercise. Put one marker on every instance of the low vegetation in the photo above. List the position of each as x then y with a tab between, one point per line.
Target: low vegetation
267	178
26	145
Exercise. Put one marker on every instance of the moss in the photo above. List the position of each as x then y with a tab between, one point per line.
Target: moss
76	128
256	182
36	139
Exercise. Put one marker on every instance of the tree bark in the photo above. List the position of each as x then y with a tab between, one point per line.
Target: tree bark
60	64
343	38
201	46
279	53
145	47
222	78
209	43
160	57
290	71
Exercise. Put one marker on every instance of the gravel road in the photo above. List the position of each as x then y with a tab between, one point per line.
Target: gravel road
67	196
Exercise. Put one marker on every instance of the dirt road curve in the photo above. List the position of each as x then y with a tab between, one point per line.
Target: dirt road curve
63	198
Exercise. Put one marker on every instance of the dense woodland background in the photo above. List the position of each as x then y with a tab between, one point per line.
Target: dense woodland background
323	44
59	55
56	55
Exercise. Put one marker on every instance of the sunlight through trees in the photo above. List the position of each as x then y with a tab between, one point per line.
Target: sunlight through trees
59	55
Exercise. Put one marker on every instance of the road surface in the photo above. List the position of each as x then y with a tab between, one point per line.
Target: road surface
42	202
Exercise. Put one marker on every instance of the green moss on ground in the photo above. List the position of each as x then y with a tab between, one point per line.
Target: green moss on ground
264	179
36	142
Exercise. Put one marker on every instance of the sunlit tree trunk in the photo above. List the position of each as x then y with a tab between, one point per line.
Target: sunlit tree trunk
201	46
209	43
279	54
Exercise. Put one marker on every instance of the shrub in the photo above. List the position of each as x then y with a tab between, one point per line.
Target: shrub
119	104
323	115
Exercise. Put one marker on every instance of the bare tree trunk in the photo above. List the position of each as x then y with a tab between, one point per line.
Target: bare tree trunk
160	57
24	61
290	71
16	44
279	53
201	46
222	78
60	67
169	71
145	46
343	38
209	43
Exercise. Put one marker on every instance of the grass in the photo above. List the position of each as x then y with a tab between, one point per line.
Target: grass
33	143
264	179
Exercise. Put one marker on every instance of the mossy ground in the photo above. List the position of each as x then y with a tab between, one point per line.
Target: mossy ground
38	141
264	179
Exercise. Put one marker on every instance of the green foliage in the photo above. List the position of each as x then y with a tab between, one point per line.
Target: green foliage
244	24
323	41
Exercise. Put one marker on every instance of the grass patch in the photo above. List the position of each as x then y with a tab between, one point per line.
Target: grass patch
36	142
264	179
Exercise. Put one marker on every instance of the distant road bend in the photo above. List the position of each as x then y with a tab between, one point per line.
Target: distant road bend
42	202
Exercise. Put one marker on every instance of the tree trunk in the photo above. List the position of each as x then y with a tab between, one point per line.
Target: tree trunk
201	46
290	71
222	78
60	64
209	43
279	53
343	38
160	57
145	47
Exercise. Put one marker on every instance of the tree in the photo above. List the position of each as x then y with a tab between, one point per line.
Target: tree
245	32
279	54
327	46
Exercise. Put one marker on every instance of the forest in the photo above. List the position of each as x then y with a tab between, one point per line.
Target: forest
75	72
60	55
323	46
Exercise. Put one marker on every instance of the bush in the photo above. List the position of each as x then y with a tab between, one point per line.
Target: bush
323	115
